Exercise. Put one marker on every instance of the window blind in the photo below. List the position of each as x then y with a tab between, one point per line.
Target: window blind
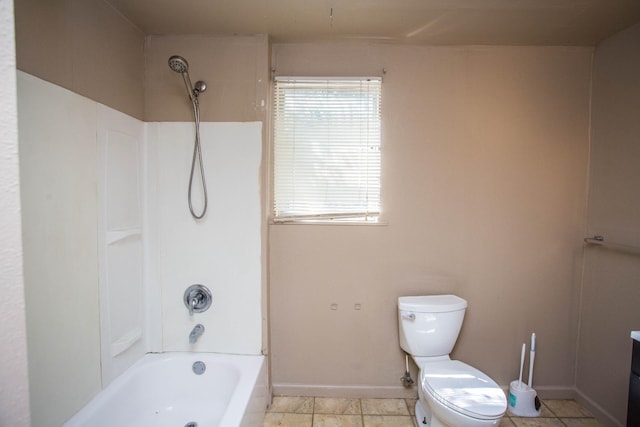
327	149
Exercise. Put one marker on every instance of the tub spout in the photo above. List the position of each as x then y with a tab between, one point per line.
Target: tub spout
196	333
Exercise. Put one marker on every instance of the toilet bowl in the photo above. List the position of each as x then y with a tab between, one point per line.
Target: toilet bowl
460	395
451	393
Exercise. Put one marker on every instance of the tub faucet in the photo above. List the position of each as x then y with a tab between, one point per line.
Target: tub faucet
197	298
196	333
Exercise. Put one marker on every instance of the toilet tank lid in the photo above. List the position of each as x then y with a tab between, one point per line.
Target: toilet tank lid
432	303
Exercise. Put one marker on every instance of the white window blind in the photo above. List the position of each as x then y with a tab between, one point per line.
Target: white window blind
327	149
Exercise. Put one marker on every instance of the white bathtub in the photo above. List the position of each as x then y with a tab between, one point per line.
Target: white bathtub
162	390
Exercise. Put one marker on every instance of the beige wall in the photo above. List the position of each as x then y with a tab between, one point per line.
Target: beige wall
84	46
611	292
89	48
236	70
485	155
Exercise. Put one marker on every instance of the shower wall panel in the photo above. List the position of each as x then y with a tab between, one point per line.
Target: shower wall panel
221	251
120	241
57	142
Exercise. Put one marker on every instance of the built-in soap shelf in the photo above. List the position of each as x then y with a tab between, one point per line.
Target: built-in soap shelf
115	236
126	341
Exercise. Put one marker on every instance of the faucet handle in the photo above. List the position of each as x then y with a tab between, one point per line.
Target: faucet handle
197	298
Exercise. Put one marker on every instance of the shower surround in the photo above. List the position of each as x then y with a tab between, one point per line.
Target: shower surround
97	178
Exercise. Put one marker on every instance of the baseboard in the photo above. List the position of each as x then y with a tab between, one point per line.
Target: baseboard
364	391
603	416
389	392
555	392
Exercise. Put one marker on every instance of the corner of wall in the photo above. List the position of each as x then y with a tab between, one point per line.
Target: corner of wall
14	393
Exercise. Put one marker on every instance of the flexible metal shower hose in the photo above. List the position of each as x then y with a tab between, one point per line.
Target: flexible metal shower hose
197	154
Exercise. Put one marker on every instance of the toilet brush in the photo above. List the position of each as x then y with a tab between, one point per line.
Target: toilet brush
523	399
532	356
522	353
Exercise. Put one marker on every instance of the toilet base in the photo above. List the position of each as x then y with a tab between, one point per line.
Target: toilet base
424	418
421	415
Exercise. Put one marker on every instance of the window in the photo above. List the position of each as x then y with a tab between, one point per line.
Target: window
327	149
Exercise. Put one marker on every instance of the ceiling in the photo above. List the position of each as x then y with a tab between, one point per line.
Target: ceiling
433	22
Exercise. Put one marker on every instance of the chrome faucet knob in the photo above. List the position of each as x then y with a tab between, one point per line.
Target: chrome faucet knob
197	298
194	303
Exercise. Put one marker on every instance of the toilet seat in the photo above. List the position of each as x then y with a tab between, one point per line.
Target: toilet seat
463	389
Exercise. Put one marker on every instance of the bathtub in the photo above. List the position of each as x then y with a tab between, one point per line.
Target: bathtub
163	390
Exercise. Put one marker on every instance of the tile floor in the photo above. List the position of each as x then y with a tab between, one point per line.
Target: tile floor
331	412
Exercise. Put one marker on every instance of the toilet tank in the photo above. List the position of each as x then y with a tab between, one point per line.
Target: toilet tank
429	325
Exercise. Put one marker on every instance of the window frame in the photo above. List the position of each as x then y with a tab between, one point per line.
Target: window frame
366	216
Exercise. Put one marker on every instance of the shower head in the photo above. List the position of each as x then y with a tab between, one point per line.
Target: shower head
178	64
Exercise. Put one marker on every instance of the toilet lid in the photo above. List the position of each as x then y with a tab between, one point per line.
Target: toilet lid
464	389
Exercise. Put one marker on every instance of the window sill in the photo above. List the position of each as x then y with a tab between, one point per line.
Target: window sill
328	222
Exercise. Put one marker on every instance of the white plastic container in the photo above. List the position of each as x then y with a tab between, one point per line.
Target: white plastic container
523	400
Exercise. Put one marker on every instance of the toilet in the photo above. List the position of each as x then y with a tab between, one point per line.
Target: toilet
451	393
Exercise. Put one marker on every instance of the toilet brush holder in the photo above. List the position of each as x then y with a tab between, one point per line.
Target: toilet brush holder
523	400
